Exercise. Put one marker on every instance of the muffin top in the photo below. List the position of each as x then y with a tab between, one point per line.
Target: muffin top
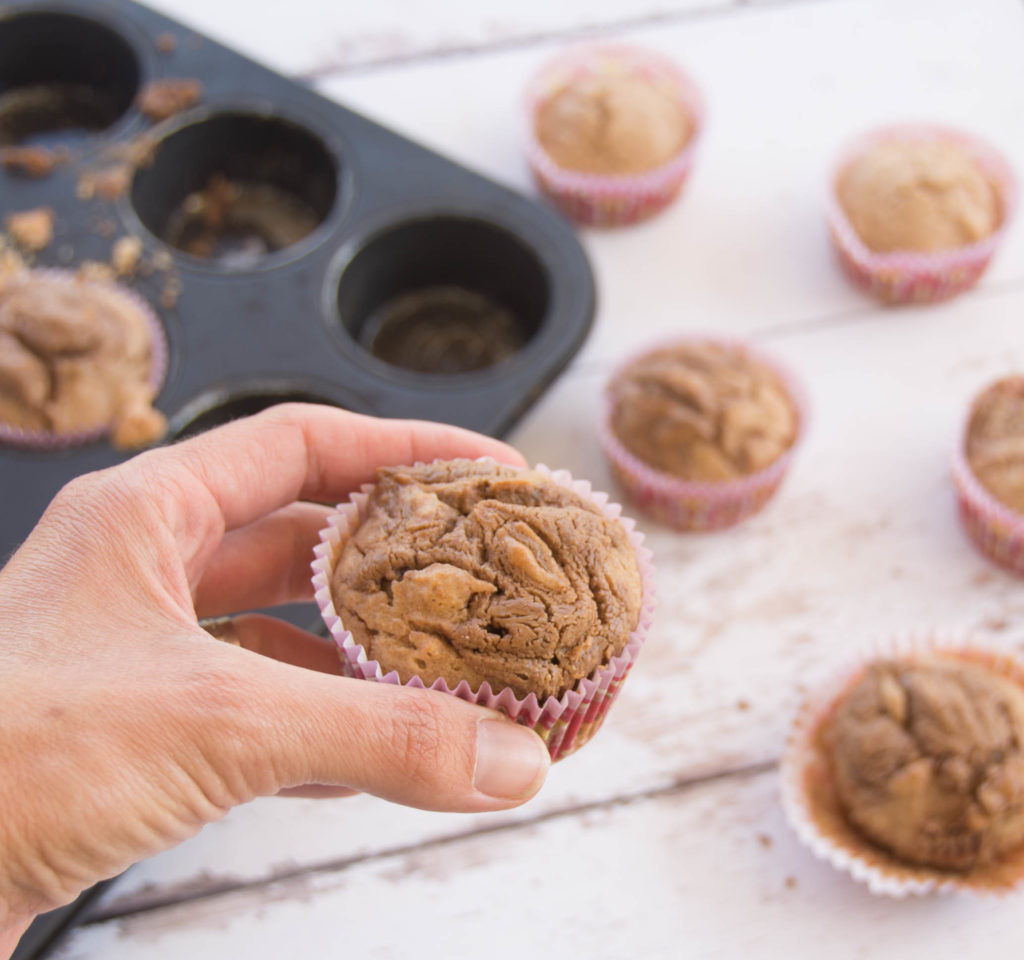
467	570
995	441
612	125
702	412
923	196
75	356
928	761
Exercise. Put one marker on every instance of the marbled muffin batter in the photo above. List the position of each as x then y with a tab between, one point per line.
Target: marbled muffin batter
75	356
924	196
928	761
612	125
702	412
472	571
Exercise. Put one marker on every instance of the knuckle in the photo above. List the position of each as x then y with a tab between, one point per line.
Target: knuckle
420	736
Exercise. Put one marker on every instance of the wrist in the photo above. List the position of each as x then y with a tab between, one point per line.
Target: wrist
11	930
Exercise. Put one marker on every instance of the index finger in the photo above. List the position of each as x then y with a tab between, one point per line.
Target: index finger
235	474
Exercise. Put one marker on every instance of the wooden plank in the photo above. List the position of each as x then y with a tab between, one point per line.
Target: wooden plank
314	37
711	872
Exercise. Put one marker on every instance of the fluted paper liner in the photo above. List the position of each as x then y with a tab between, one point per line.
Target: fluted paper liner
564	723
907	276
48	440
601	199
702	506
812	807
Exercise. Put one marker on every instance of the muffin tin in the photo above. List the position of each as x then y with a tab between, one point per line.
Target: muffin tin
351	240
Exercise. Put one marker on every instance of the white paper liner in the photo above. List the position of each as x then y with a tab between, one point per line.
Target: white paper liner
883	873
565	723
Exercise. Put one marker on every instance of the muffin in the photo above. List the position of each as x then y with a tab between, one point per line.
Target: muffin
911	776
916	212
988	472
77	358
612	132
700	431
513	588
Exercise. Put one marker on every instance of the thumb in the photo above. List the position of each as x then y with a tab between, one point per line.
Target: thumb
421	748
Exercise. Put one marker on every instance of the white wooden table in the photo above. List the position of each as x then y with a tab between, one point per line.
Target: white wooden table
664	838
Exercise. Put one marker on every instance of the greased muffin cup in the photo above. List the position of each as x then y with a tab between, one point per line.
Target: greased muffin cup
812	807
565	723
996	529
38	440
612	200
702	506
905	276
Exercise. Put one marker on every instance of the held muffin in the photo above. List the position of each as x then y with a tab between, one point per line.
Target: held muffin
988	472
512	588
700	431
911	776
612	132
916	212
78	358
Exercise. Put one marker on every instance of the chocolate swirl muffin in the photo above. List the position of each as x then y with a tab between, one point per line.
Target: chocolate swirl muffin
466	570
928	761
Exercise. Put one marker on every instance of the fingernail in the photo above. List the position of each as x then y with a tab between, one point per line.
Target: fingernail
511	760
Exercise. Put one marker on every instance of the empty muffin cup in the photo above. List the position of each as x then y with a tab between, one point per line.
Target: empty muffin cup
598	182
564	722
702	505
815	810
908	276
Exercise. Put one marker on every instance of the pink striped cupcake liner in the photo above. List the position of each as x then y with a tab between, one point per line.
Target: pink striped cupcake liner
605	200
906	276
811	804
44	441
702	506
994	528
564	723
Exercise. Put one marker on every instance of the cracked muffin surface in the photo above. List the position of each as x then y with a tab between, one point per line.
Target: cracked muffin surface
468	570
995	441
928	762
703	412
75	355
922	196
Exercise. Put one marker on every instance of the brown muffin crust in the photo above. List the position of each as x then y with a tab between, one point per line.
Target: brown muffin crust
612	125
467	570
995	441
928	763
702	412
75	356
924	196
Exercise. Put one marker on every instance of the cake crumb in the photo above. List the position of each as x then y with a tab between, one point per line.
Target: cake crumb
107	183
162	261
31	229
32	161
106	227
170	293
743	705
790	883
161	99
996	623
166	43
95	271
139	428
765	840
125	255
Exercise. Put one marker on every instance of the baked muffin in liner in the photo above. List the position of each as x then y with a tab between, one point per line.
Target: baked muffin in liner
51	440
914	277
694	505
996	529
809	795
612	200
564	723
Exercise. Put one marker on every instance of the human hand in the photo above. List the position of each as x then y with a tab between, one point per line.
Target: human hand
125	727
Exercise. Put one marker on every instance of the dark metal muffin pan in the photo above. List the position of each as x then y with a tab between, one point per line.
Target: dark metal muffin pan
375	221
